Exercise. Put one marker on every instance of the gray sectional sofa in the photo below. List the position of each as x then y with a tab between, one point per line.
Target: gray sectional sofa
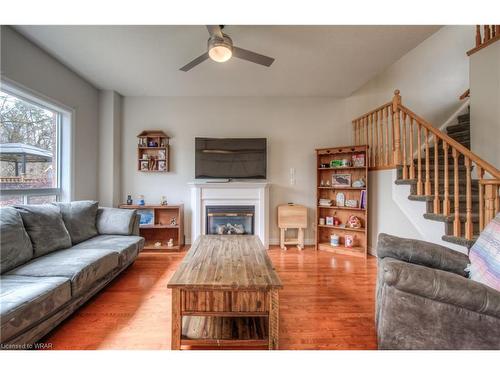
54	258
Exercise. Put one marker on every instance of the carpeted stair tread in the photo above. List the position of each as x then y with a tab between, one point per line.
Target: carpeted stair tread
450	218
429	198
458	127
460	240
464	118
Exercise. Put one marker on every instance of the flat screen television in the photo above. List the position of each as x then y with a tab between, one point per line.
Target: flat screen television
231	158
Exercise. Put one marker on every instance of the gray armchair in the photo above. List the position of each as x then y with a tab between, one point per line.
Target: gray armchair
424	299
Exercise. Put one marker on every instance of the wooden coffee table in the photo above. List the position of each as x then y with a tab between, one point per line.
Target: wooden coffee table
225	293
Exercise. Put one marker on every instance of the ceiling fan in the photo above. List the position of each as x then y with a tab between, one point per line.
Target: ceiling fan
220	48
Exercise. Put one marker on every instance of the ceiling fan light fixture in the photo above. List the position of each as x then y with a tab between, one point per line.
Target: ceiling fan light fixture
220	53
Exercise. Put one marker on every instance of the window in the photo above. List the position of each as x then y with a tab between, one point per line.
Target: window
31	145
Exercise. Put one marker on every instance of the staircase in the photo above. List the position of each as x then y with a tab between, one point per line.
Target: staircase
459	189
460	132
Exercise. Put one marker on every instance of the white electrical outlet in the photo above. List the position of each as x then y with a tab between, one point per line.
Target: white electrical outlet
292	176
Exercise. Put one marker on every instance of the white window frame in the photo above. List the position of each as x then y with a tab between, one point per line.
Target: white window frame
64	192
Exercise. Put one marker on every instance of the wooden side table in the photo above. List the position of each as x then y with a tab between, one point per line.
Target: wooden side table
292	216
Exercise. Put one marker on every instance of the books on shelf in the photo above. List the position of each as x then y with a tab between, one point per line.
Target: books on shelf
325	202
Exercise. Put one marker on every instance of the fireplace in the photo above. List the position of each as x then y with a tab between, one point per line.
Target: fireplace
230	220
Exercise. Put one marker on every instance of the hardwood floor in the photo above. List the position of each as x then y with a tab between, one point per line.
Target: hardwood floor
327	303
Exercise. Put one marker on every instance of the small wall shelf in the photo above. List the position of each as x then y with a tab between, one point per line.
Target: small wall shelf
326	169
153	151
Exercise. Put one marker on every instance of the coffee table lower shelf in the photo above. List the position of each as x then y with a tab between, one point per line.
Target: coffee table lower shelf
225	331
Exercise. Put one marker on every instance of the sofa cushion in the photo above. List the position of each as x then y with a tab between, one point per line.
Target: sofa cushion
26	300
115	221
83	268
484	256
127	246
45	227
80	219
15	244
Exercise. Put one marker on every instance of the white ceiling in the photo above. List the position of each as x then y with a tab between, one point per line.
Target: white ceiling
310	60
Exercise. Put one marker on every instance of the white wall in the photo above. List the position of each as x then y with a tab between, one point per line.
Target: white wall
294	127
430	77
110	122
28	65
485	103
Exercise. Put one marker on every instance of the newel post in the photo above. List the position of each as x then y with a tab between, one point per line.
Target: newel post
396	101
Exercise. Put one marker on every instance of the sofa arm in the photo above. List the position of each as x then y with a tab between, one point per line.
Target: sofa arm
116	221
422	253
441	286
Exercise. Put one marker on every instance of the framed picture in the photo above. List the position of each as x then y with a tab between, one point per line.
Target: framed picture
358	160
341	180
144	165
147	217
329	220
161	165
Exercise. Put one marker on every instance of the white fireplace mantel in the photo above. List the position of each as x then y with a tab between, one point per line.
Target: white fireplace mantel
255	194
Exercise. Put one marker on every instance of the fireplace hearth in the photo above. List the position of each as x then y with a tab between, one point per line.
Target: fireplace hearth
230	220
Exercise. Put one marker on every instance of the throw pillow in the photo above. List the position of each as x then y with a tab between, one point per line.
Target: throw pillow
45	227
115	221
15	245
80	219
484	256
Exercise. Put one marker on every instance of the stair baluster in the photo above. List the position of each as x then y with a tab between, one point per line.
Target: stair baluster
446	200
381	139
427	164
396	128
419	160
480	173
437	203
375	139
487	35
468	198
366	140
386	124
456	194
478	35
405	170
370	143
411	167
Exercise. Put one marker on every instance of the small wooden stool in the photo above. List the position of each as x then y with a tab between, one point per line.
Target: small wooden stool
292	216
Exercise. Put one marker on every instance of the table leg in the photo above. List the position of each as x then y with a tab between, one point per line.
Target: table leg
274	320
176	319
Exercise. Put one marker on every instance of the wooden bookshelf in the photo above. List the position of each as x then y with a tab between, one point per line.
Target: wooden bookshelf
325	172
153	151
161	229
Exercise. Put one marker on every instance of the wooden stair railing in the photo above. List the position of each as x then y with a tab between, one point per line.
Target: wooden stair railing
393	118
490	34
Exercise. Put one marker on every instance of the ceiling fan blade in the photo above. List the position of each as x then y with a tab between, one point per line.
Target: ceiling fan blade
195	62
252	56
214	30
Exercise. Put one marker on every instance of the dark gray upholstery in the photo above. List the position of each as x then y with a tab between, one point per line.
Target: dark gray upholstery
83	268
423	253
26	300
126	246
40	293
45	228
80	219
115	221
423	300
15	244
